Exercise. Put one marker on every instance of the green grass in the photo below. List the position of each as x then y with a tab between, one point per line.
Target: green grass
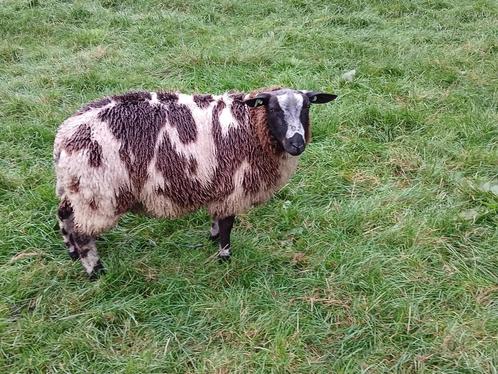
380	255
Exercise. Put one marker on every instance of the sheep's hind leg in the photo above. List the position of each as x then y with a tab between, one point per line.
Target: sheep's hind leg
225	228
79	246
66	226
88	255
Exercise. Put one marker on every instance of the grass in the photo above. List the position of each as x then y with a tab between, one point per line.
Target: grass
380	255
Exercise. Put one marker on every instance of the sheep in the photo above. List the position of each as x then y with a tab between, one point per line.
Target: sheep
166	154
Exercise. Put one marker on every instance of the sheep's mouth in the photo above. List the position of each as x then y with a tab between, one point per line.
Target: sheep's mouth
294	151
294	146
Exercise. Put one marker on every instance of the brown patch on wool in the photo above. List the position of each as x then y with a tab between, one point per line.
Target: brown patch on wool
124	200
239	109
167	97
94	105
131	97
180	116
74	184
220	105
189	193
259	122
230	151
203	101
243	143
82	140
136	124
181	189
95	155
251	182
192	165
264	170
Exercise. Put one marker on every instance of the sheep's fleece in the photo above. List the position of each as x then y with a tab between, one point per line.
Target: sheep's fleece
164	154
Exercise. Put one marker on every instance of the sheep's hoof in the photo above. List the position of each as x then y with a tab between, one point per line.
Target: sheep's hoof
223	258
97	271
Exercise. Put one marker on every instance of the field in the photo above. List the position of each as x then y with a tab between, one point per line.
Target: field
380	255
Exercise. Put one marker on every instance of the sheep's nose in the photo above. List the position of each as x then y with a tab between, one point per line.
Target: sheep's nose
299	146
296	145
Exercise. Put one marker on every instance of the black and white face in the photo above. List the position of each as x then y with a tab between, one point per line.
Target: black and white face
288	115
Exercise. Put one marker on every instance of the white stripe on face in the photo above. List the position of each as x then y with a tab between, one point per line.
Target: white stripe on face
291	104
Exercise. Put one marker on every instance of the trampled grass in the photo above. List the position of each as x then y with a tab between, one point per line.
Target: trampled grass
380	255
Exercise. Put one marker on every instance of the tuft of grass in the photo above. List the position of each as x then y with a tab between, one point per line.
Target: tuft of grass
378	256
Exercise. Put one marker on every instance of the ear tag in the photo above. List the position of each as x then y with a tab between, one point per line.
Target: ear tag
259	102
313	99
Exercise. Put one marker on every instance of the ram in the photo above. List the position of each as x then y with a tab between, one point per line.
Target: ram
167	154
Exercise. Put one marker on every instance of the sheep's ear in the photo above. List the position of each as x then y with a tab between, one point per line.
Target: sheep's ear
261	99
320	97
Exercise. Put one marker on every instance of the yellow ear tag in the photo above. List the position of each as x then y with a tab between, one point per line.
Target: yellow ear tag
313	98
259	102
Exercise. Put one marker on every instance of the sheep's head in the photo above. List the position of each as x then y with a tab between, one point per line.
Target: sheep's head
288	115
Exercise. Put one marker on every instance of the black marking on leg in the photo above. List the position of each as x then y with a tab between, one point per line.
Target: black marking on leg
72	249
74	255
83	252
81	242
65	210
87	251
82	239
66	226
225	226
71	239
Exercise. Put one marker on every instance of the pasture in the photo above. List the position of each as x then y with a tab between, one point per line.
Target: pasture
380	255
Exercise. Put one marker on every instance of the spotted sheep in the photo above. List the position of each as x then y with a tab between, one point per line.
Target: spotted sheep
167	154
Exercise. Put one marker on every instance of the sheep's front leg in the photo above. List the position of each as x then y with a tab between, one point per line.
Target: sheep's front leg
224	229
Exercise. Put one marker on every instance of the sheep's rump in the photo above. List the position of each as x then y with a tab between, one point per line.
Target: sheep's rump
168	153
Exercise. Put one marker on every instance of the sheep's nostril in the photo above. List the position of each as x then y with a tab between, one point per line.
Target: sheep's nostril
298	146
